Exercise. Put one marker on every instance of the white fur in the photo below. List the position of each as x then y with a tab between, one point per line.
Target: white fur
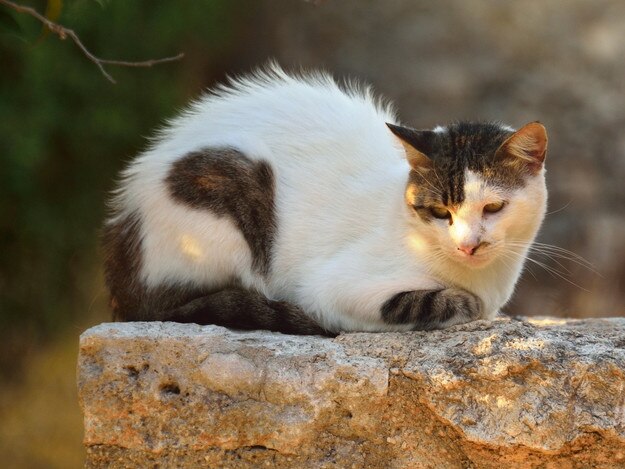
346	240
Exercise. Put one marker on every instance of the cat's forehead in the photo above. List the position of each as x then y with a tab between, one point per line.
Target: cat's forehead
469	144
478	189
467	188
464	160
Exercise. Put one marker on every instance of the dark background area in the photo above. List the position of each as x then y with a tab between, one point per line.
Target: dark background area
65	132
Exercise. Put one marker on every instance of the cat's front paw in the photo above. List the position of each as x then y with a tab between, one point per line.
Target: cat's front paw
432	309
453	306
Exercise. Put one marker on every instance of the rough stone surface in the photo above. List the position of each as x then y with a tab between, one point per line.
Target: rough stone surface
535	393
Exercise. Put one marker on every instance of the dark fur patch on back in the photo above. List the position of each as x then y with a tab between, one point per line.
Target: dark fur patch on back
464	145
229	184
226	182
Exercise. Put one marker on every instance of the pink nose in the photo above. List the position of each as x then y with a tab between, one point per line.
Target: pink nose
469	249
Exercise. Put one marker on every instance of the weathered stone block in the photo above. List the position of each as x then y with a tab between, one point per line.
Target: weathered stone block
542	393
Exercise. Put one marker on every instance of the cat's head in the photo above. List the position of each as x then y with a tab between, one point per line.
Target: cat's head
476	190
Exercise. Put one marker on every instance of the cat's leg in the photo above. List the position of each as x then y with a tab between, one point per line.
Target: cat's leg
244	309
432	309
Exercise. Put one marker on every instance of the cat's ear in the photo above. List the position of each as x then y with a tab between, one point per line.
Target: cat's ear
417	144
527	146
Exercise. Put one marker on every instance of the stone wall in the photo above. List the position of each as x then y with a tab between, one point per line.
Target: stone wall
536	393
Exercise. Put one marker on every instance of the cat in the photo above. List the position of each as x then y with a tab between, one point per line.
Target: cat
291	203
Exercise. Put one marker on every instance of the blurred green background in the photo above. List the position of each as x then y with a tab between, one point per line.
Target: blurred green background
65	132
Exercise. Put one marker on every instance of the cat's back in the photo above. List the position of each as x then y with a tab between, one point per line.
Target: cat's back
315	135
272	115
226	184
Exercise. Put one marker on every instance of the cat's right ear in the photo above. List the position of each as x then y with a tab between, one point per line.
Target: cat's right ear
417	144
526	147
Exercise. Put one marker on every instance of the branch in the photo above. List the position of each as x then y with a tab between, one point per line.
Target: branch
64	33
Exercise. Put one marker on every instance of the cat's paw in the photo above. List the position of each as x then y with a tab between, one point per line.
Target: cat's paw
455	306
432	309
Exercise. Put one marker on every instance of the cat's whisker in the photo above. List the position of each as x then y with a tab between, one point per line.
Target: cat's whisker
551	249
438	178
556	273
553	252
560	209
554	248
553	258
560	264
505	256
437	255
508	262
552	271
435	190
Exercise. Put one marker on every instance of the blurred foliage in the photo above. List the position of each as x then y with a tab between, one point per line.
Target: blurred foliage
65	132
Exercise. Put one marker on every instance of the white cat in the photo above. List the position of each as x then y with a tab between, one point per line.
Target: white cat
287	203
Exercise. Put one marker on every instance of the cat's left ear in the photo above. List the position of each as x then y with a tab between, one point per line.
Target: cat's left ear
418	144
527	147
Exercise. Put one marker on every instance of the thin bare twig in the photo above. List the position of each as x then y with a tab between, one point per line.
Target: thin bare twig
64	33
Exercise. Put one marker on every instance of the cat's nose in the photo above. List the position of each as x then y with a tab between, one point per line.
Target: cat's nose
470	248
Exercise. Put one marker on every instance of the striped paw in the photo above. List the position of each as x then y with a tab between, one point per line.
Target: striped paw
432	309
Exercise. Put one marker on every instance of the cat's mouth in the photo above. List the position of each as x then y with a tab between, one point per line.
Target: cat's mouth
478	259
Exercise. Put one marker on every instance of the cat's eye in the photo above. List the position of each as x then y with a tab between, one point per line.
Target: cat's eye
440	212
494	207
